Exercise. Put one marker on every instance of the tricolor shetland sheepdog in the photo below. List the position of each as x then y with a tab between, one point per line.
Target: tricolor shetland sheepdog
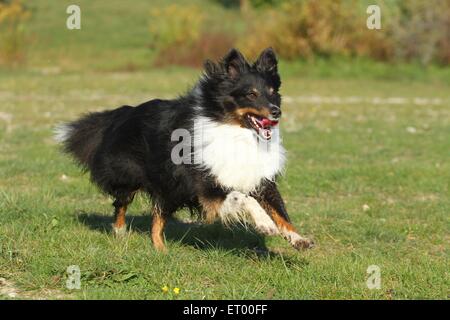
216	150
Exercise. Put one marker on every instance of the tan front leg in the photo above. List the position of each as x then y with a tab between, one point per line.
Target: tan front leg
288	231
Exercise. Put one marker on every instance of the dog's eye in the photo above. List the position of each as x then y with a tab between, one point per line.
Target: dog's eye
252	95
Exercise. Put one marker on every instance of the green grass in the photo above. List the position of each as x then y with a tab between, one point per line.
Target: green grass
341	157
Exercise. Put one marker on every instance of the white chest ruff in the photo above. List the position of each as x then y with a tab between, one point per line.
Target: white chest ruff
236	156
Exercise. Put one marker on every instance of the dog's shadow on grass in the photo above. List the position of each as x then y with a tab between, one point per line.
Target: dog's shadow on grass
237	240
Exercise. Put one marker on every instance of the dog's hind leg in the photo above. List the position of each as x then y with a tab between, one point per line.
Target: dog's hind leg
159	219
120	208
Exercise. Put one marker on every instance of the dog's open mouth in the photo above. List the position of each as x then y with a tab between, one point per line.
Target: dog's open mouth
263	126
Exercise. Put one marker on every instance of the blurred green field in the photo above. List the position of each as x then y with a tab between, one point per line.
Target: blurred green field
368	177
114	35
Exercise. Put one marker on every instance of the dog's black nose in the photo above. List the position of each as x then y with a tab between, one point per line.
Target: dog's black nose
275	111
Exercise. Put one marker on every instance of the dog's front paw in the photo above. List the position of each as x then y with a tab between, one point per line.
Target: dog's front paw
303	243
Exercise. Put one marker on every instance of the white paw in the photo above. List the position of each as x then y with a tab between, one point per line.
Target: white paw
120	232
297	241
303	243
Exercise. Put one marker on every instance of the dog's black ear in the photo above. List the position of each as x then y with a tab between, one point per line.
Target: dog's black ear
234	63
267	61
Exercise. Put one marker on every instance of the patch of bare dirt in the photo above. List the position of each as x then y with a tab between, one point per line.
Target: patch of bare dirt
10	290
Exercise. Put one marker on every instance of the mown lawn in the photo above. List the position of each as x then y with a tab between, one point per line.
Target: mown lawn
367	178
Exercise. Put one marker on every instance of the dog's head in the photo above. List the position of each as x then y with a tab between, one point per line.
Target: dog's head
245	94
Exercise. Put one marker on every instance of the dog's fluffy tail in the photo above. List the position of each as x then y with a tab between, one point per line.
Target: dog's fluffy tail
81	138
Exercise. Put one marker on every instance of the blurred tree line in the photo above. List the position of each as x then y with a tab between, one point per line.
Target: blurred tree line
13	16
412	31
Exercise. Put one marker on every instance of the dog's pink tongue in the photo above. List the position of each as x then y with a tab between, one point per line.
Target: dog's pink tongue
267	123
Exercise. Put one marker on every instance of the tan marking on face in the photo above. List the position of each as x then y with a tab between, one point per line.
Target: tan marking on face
263	112
238	116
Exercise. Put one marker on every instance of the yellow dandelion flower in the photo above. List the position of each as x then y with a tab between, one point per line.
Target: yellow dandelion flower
165	289
176	290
